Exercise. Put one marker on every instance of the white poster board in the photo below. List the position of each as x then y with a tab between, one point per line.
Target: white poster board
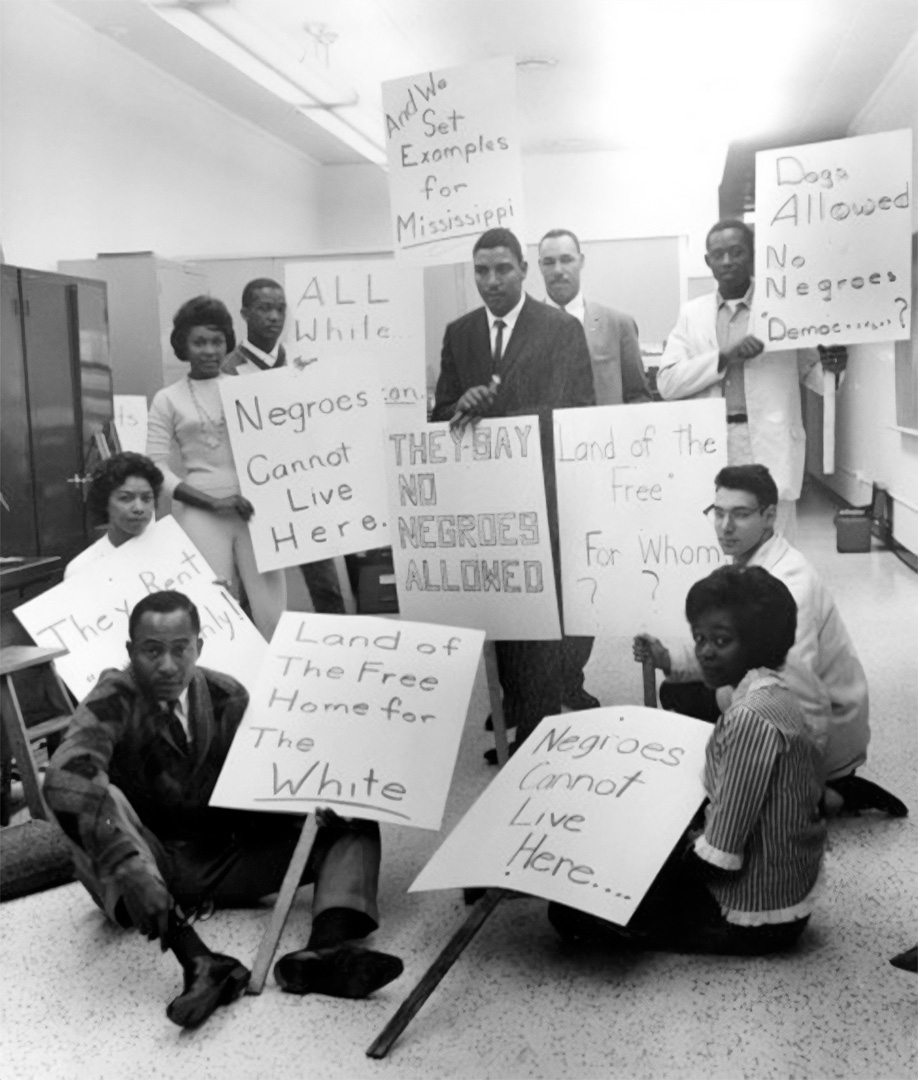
360	714
377	305
633	482
469	528
308	450
585	812
88	614
131	421
454	159
833	242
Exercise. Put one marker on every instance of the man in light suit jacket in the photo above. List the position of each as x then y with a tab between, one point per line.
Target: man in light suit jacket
618	377
541	359
711	354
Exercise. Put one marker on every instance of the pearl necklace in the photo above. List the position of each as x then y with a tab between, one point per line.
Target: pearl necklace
213	432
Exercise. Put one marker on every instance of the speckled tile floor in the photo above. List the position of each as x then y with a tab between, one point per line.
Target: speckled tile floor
81	1000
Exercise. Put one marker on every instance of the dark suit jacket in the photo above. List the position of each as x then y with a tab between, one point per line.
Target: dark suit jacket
618	369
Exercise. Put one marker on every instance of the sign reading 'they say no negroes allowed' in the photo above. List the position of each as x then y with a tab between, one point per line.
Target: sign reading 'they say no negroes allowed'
833	242
454	159
585	812
308	450
359	714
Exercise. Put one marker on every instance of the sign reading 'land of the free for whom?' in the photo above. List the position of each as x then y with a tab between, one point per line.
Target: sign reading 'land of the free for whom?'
307	444
455	168
88	613
833	242
360	714
585	813
374	303
469	527
633	482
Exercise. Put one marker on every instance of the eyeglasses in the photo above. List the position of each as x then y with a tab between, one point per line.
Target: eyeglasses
738	516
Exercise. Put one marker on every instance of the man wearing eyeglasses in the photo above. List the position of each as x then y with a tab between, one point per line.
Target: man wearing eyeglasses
822	668
130	786
710	353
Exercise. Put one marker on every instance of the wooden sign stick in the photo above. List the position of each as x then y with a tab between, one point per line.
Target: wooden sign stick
650	682
282	905
828	422
497	705
431	978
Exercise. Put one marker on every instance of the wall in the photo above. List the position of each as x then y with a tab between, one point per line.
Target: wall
103	152
868	448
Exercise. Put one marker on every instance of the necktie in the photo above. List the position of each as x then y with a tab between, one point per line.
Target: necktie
498	345
281	357
174	727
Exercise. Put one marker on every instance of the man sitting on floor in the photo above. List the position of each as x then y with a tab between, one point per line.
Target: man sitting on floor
823	669
130	786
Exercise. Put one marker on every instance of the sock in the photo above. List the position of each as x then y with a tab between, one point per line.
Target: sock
184	942
336	925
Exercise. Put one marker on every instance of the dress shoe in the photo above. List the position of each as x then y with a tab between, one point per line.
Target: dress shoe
490	756
579	700
859	794
345	971
908	960
489	724
211	980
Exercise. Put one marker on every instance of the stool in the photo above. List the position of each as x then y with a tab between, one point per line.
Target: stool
18	735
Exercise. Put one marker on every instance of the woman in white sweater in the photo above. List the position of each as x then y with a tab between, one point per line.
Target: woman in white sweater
187	416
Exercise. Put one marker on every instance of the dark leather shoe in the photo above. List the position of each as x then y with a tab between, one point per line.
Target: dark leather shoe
580	699
345	971
859	794
907	961
212	980
490	756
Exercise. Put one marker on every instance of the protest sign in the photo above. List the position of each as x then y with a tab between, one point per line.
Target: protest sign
336	304
359	714
833	242
633	481
585	812
308	450
469	528
454	159
88	614
131	421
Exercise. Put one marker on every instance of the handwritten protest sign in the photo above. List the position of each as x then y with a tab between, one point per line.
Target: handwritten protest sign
131	421
88	614
307	445
585	812
356	713
833	242
375	303
469	528
454	159
633	481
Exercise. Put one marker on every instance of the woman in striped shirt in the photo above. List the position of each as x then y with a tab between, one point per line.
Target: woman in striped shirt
745	883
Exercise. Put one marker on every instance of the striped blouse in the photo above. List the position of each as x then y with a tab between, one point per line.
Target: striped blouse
764	819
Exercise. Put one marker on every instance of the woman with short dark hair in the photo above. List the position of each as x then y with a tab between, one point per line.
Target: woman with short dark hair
123	492
744	884
187	416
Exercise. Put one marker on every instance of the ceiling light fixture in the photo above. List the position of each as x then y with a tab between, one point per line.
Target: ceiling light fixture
269	61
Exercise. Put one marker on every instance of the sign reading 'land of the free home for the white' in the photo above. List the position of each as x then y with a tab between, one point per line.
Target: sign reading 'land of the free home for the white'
359	714
585	812
469	528
454	159
88	613
373	304
308	450
833	242
633	482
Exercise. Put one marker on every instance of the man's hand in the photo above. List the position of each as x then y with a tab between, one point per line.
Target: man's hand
234	504
742	351
474	403
645	645
833	357
146	898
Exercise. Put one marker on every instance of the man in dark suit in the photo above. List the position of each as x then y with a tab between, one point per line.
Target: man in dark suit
618	377
514	357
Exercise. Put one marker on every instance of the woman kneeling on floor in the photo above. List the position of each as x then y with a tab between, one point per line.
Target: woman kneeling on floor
743	885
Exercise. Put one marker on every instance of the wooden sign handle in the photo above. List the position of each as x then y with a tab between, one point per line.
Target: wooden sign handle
497	705
828	422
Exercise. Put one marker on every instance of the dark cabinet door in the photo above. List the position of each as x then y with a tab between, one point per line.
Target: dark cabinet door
18	527
49	327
